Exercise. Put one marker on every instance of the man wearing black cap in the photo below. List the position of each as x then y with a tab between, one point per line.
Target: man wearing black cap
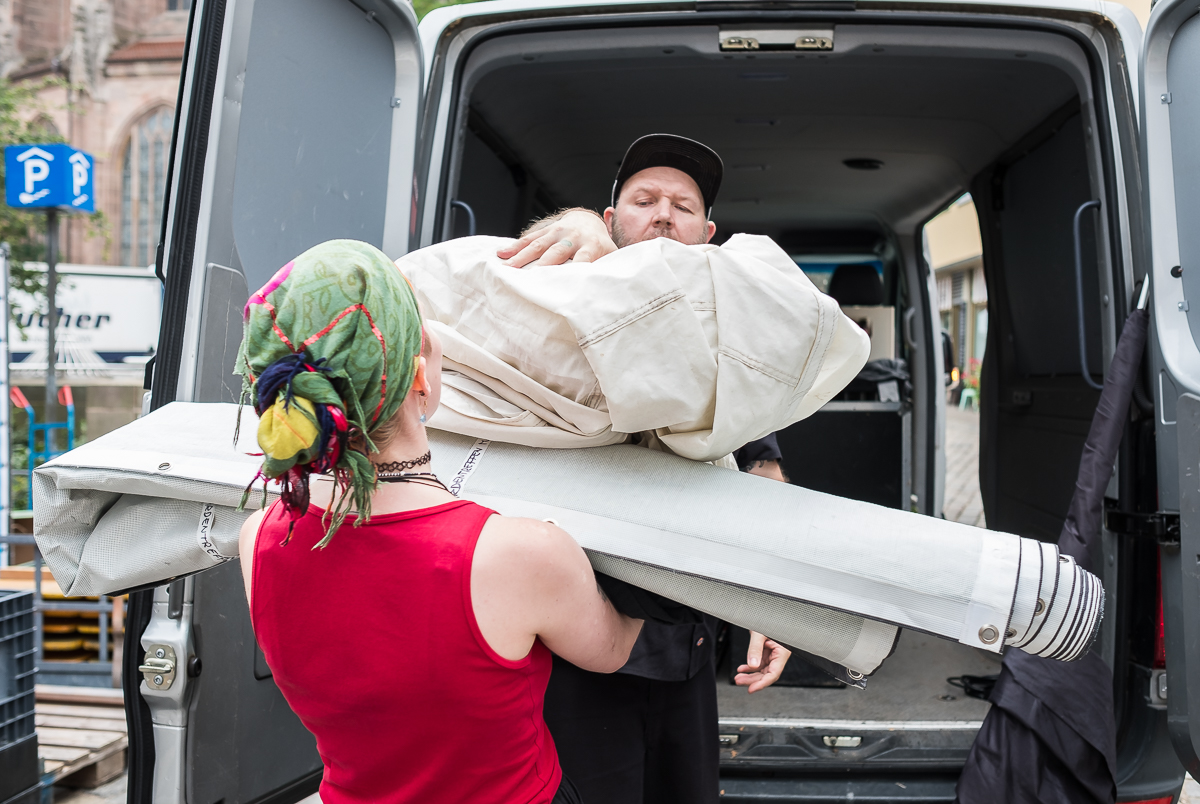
665	187
647	734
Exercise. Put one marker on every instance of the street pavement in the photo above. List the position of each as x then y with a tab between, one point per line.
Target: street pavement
1191	792
962	501
110	793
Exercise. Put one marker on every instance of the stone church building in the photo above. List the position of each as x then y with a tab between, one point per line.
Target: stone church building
119	64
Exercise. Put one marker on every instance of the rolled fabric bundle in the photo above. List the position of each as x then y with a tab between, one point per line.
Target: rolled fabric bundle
155	500
703	347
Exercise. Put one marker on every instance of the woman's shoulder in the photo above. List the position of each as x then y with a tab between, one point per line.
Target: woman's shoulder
523	546
528	533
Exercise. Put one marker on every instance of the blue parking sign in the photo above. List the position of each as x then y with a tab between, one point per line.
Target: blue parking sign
50	175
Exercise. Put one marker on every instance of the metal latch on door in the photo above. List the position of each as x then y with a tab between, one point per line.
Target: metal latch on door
777	40
159	667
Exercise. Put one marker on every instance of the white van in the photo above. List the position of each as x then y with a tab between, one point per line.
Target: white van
845	125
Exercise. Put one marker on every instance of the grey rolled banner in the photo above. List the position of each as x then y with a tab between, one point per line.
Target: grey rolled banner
834	577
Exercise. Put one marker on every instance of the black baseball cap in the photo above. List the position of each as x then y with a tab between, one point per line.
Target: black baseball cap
669	150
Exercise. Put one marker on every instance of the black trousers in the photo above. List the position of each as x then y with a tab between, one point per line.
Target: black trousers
623	739
567	794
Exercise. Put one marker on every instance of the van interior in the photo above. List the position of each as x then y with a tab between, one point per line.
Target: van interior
841	156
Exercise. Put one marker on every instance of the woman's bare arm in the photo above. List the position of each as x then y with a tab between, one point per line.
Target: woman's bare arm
530	579
246	538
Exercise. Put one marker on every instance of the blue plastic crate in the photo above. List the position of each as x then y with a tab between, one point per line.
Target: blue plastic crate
16	666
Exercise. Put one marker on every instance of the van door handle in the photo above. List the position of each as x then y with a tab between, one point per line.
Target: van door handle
910	334
1083	357
465	207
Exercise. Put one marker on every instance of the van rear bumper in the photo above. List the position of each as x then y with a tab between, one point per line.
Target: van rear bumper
829	789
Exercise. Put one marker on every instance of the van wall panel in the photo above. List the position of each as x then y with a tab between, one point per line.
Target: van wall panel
316	129
1041	193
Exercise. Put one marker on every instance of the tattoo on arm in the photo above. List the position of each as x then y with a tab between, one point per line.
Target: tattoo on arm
542	223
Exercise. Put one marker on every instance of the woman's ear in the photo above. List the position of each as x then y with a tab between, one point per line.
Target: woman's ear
421	379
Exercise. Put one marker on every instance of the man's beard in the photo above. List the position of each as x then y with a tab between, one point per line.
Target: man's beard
621	240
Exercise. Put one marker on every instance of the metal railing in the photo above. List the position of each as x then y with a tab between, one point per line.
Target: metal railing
103	607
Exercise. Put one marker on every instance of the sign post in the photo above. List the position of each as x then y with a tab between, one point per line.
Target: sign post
52	314
51	177
5	433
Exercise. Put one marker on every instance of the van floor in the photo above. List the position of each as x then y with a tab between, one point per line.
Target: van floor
911	685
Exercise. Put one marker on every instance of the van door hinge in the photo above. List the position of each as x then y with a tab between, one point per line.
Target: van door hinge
1158	689
1163	528
1165	97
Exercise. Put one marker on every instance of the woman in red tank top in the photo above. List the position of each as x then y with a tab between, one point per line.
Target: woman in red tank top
410	631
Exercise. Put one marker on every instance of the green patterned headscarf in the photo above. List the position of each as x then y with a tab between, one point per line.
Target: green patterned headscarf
329	353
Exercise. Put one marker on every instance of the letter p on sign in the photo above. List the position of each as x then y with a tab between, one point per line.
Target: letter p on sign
35	170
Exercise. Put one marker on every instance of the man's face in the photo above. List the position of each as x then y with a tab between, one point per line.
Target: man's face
659	202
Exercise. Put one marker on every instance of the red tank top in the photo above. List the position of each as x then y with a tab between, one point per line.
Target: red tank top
374	644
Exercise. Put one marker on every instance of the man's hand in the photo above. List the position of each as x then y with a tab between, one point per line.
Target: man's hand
574	234
764	663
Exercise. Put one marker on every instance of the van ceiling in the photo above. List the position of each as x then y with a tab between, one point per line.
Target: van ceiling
783	124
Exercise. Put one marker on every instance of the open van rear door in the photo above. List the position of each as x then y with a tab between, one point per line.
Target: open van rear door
1171	159
297	124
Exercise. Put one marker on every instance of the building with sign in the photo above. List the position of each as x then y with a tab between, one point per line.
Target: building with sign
107	331
121	60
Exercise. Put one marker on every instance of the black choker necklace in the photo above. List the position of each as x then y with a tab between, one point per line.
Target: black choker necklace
392	467
420	478
393	472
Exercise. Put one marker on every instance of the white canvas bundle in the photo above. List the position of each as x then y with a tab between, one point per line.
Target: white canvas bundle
155	500
706	348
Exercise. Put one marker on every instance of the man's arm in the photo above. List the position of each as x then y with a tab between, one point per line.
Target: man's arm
573	234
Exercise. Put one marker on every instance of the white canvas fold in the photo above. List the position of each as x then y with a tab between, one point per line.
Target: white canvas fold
704	347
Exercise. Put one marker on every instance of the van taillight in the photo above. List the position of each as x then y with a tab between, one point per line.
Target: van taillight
1163	800
1160	643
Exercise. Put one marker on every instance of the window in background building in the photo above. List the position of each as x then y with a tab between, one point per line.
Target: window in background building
143	176
959	333
179	5
46	129
981	324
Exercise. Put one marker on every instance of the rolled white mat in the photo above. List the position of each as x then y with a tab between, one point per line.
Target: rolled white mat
979	587
731	544
156	500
